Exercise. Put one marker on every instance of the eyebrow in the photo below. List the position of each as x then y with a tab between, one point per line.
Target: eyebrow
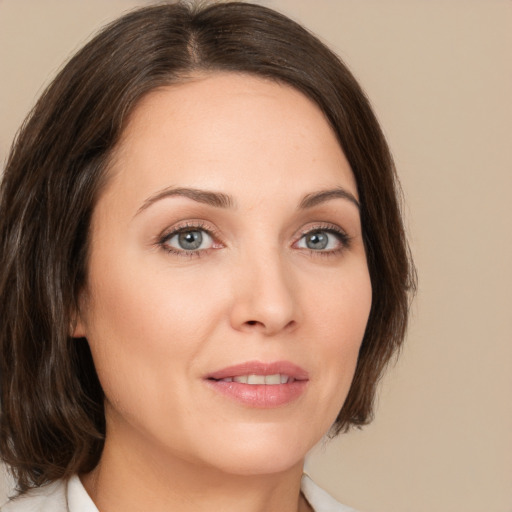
311	200
216	199
221	200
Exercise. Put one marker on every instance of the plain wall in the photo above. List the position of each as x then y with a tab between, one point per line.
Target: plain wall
439	74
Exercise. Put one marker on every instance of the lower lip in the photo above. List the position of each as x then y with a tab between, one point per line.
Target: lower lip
262	396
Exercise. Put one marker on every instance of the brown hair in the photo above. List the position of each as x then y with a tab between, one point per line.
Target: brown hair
52	421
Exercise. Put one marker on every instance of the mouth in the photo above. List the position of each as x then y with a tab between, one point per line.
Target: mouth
260	385
252	379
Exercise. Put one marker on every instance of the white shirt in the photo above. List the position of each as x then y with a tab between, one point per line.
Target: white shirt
71	496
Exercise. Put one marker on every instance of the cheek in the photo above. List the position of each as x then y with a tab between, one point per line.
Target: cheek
339	317
342	305
131	300
145	322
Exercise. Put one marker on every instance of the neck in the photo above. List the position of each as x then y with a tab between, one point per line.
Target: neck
132	480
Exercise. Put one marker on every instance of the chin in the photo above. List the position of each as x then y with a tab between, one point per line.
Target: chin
262	463
260	449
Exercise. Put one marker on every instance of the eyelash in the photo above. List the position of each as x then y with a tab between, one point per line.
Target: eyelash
189	226
343	238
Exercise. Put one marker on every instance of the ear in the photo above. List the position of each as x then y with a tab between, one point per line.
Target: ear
77	325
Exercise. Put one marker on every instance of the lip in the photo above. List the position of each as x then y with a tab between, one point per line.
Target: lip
260	368
260	396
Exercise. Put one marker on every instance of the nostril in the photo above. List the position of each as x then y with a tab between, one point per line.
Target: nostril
252	322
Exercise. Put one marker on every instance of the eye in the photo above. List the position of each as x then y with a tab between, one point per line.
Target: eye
188	240
326	240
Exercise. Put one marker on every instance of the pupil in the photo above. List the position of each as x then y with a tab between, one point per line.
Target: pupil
190	240
317	241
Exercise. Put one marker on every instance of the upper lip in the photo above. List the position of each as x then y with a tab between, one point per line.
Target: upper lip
260	368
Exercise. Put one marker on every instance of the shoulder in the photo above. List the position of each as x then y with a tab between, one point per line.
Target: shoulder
320	500
49	498
54	498
61	496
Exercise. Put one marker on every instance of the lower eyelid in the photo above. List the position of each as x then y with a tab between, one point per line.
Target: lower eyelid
214	239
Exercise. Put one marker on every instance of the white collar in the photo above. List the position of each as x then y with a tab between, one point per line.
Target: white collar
71	496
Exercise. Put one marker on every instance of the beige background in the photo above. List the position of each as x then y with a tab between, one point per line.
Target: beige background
439	74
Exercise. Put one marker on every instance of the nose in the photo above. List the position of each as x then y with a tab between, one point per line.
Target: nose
265	298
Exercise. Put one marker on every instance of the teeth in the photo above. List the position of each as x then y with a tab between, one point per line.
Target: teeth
256	379
260	379
273	379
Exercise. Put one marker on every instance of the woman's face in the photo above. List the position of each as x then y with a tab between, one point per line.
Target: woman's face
228	290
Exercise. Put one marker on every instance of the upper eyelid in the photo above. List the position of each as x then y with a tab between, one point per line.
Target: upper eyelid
324	226
344	238
162	241
187	226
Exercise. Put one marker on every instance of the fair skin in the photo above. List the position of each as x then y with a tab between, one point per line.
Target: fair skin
214	244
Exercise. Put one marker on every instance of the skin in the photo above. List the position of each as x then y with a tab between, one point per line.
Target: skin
157	321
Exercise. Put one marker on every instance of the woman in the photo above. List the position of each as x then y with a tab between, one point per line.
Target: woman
197	279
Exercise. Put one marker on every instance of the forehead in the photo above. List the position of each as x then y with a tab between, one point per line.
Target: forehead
225	129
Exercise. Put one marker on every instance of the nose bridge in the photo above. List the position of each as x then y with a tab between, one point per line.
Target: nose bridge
265	295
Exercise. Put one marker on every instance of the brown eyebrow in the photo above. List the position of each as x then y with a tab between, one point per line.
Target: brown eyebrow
221	200
326	195
215	199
